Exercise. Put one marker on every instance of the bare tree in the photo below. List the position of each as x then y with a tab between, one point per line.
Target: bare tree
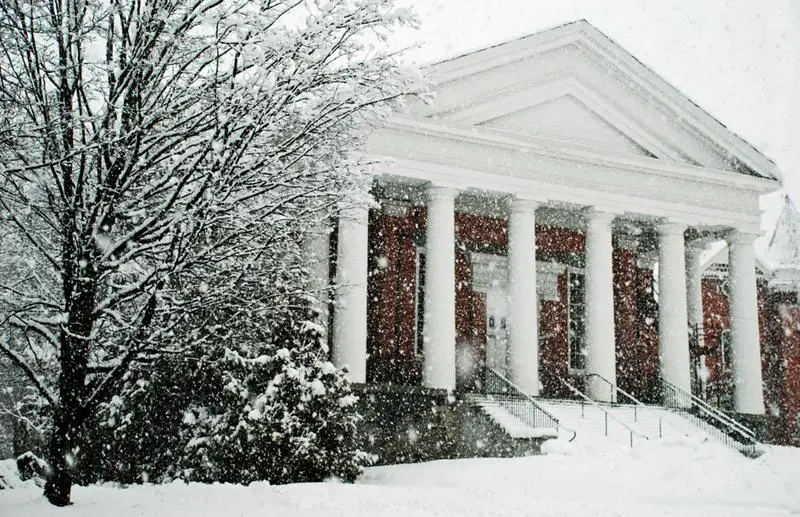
154	154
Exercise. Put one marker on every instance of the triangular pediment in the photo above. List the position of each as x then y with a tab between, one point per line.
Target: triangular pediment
567	119
572	84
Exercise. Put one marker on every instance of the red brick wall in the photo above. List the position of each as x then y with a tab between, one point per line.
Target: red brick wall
790	409
390	309
554	351
781	356
715	320
393	242
647	359
779	324
635	330
625	317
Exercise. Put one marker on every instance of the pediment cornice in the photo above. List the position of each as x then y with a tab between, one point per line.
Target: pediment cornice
674	128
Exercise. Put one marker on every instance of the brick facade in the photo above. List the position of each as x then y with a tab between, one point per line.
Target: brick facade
394	242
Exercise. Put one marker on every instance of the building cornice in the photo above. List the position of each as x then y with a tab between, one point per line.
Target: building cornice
548	149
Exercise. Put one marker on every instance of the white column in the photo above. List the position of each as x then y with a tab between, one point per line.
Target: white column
601	357
694	286
350	309
317	249
694	303
673	329
523	319
439	369
745	348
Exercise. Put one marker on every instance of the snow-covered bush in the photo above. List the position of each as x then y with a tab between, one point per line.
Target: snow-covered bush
31	466
273	410
25	471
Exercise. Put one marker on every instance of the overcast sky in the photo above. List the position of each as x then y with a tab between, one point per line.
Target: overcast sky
738	59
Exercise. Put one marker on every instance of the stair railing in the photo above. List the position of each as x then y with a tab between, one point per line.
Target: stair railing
520	404
637	404
715	423
585	398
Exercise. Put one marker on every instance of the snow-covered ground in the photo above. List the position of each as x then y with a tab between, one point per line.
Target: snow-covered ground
671	478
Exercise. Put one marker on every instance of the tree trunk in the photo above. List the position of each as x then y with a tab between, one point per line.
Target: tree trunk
58	488
69	414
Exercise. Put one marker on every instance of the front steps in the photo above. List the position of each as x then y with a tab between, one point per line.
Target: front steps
411	424
619	424
599	426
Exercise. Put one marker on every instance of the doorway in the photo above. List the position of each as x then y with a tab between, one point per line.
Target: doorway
497	353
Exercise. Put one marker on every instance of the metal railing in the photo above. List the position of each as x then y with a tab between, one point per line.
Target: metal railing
585	398
518	403
715	423
636	404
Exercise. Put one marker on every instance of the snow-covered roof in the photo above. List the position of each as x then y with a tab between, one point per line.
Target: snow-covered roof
585	38
783	249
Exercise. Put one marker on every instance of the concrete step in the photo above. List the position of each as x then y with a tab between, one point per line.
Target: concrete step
509	422
589	421
625	424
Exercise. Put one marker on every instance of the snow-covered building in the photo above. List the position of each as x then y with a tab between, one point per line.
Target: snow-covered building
778	280
544	215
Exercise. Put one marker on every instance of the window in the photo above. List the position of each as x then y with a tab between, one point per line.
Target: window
725	356
576	319
419	304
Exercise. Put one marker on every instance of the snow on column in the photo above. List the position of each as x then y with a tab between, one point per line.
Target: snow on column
694	298
694	292
745	348
601	356
439	369
673	329
350	310
523	307
317	248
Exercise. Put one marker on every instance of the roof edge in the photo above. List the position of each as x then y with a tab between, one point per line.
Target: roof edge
694	116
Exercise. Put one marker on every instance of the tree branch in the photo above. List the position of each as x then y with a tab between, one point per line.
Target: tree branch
28	371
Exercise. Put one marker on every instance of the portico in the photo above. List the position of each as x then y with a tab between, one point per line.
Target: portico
536	159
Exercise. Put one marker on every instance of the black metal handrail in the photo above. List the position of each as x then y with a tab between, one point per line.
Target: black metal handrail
585	398
636	403
520	404
721	426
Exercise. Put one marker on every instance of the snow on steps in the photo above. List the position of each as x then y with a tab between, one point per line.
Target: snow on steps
649	423
513	426
589	422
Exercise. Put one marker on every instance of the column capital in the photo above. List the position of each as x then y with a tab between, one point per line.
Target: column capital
440	192
741	237
353	213
598	215
694	250
517	204
695	247
671	228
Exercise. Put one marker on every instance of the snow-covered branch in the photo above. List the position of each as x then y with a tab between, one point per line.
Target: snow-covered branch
159	165
29	372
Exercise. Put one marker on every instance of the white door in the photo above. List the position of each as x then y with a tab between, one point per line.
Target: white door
497	330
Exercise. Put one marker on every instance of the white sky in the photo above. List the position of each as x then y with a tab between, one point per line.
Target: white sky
738	59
